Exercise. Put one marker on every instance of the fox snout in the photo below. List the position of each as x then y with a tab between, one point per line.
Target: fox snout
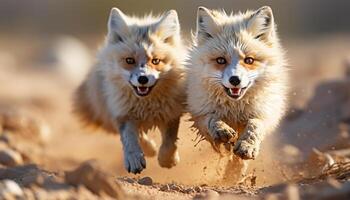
147	79
235	76
234	80
143	79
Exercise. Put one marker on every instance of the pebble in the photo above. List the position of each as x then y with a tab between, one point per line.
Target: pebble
175	187
97	181
129	180
198	189
189	191
10	187
164	188
145	181
10	158
212	193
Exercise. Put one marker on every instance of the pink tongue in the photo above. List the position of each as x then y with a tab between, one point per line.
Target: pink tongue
235	90
143	89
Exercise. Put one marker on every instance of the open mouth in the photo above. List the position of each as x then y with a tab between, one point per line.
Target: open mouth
235	92
142	91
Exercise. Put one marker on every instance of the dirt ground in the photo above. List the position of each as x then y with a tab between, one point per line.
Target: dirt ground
46	154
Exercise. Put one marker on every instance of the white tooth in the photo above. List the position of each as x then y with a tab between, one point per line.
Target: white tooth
142	91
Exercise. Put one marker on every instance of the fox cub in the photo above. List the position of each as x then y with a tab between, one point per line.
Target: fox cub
237	79
136	85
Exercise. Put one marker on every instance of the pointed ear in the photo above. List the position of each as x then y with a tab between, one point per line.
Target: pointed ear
261	23
206	25
168	28
117	26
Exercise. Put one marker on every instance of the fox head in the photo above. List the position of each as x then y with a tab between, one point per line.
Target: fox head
235	51
140	52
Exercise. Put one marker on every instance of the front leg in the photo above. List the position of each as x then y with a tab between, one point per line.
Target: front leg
148	145
134	160
218	130
168	155
248	145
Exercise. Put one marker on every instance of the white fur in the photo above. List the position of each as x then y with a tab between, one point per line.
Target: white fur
107	97
240	123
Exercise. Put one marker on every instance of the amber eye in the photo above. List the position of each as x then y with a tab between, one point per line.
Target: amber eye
221	60
249	60
130	61
155	61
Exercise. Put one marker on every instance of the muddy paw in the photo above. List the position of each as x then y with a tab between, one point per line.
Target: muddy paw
168	157
245	150
221	132
134	162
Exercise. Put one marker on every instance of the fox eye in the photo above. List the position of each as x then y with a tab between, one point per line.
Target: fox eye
155	61
130	60
221	60
249	60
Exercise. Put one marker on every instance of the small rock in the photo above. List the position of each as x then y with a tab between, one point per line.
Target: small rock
10	188
10	158
27	175
212	194
189	191
198	189
175	187
164	188
93	178
129	180
146	181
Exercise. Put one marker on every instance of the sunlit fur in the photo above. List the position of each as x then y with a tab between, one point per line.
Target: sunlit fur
107	99
263	105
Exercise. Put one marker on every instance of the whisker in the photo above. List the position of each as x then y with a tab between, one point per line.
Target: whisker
253	76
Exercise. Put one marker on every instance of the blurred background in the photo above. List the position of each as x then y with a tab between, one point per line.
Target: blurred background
47	47
88	17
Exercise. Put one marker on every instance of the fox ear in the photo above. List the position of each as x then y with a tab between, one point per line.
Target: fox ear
117	26
168	28
206	25
261	23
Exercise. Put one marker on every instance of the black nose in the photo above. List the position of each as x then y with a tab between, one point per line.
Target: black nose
234	80
142	80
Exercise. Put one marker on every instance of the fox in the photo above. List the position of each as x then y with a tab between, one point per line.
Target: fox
237	80
137	85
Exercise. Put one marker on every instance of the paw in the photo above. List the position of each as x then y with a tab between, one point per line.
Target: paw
149	147
168	157
246	150
134	162
221	132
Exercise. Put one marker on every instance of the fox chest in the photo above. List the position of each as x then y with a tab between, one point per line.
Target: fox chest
155	111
